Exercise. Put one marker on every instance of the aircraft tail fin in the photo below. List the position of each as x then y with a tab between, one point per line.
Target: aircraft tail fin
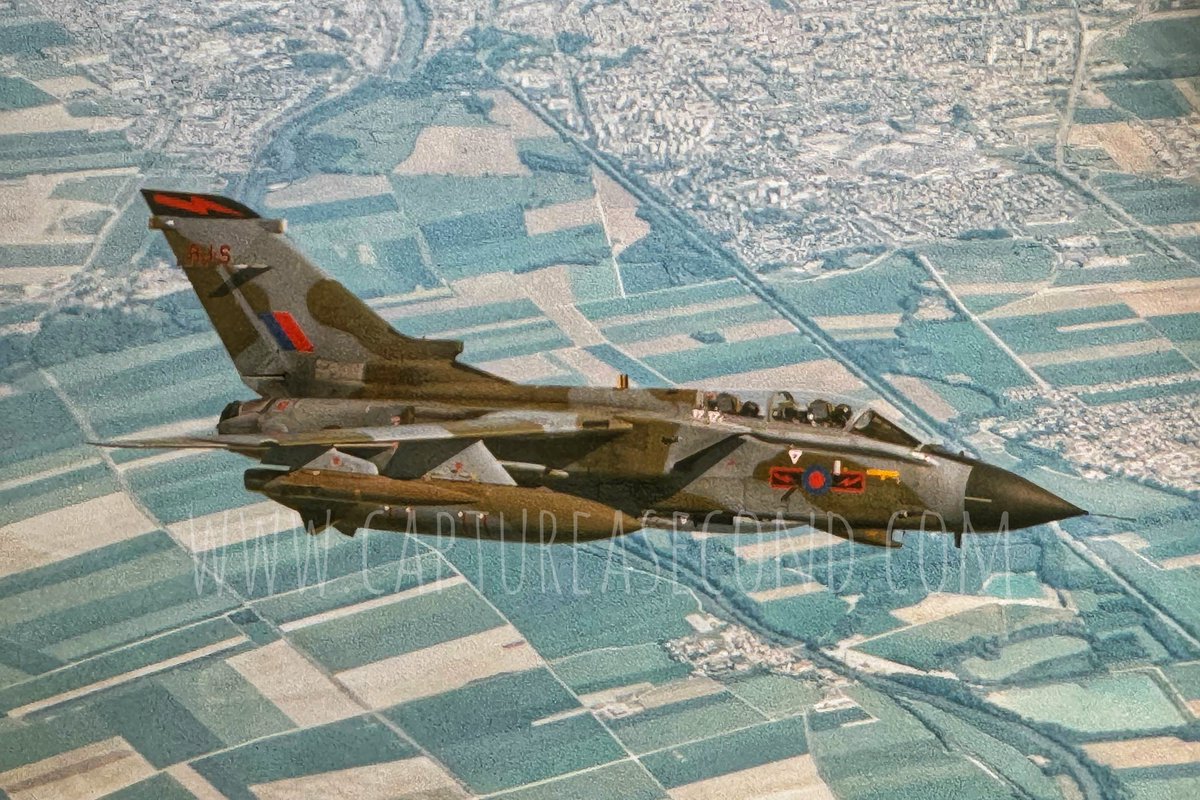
289	328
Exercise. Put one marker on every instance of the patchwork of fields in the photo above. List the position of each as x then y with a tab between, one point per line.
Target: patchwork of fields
165	633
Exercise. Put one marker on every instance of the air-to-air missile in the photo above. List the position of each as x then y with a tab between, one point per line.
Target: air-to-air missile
357	425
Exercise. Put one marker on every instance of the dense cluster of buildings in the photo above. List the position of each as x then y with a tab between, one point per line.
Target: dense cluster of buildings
1156	441
801	126
720	648
206	81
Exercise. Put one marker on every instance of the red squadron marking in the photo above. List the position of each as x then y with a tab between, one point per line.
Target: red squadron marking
850	482
784	477
196	204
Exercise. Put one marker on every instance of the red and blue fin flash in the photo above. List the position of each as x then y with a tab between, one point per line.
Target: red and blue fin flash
286	330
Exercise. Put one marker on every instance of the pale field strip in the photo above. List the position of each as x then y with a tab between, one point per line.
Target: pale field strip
939	605
1145	298
69	531
54	118
23	276
1149	751
856	659
1190	94
550	290
522	368
1132	542
724	304
125	677
1123	143
223	528
560	716
441	667
756	330
562	216
65	87
183	427
325	188
489	288
375	602
1182	562
194	782
679	691
618	209
417	777
92	771
822	376
508	112
854	322
296	687
26	206
1097	262
1097	352
926	398
675	343
789	779
596	371
783	592
1178	230
810	540
472	152
617	693
1097	326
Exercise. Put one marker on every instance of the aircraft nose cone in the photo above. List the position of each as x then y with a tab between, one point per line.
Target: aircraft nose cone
991	492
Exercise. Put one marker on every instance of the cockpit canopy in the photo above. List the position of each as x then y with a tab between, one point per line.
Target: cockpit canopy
783	407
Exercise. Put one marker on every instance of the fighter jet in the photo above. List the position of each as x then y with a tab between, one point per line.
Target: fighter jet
357	425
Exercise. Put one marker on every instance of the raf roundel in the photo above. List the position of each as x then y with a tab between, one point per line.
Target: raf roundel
816	480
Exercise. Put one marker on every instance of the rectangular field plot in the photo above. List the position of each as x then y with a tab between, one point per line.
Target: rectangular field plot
732	752
927	646
624	780
609	668
668	725
412	623
508	730
1046	656
568	600
1130	701
896	756
334	748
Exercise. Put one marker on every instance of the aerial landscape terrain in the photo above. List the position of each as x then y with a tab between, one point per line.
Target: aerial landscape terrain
983	217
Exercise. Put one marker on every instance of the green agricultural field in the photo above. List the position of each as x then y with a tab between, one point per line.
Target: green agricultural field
401	627
774	694
625	780
670	725
896	756
1126	702
927	646
608	668
731	752
1032	655
569	599
485	734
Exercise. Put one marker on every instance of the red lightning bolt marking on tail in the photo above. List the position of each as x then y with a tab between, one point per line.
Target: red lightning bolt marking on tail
197	205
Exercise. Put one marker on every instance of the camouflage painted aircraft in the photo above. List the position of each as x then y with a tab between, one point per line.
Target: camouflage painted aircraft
357	425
